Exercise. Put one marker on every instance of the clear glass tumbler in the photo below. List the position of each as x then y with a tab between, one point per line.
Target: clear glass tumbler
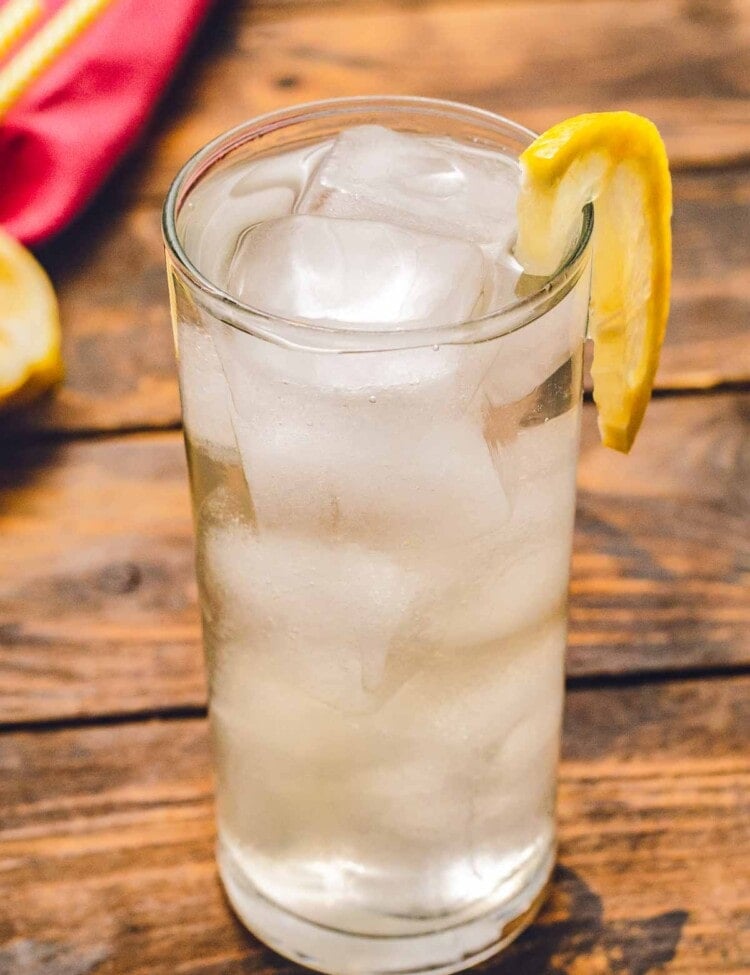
384	524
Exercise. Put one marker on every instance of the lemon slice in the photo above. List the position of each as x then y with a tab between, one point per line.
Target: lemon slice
30	359
617	161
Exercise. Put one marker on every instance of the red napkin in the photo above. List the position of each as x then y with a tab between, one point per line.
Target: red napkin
61	140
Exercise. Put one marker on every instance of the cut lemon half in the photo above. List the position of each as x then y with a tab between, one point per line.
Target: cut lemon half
617	161
30	359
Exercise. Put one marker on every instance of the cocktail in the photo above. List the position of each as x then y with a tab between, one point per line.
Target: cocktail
381	415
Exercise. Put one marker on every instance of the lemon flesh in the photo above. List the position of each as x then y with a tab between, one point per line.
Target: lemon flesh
30	359
617	161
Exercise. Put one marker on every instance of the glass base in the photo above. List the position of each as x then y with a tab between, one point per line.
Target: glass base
326	949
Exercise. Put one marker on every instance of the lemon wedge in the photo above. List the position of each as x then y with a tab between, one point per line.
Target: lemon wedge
30	359
617	161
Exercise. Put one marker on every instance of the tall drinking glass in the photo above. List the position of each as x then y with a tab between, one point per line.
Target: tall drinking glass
384	520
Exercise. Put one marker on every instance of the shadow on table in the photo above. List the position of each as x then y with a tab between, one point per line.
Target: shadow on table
20	466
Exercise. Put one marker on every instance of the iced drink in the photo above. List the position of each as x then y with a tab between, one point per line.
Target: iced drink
381	416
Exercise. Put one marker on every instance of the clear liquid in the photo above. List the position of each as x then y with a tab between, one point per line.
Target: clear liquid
383	551
410	797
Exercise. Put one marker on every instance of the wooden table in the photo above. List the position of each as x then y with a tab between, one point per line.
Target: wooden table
106	824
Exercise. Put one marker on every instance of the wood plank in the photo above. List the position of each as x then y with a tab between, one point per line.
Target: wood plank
708	338
538	61
98	603
109	272
661	534
106	860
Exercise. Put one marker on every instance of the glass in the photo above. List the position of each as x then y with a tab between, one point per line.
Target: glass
384	523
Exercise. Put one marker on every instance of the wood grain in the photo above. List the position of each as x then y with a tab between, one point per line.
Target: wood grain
661	535
684	64
117	339
106	861
98	603
708	338
109	272
106	824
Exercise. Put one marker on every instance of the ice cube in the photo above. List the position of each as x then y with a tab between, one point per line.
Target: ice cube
437	186
479	694
455	726
395	466
321	614
512	579
356	272
499	592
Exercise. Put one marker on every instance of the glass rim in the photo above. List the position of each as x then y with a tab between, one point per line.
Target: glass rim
302	333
